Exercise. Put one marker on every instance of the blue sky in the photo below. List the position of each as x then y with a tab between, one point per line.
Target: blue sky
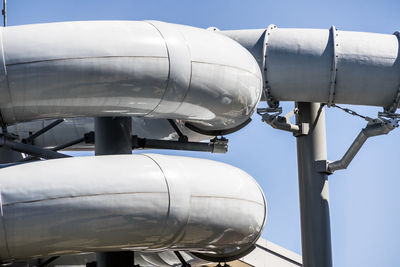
364	199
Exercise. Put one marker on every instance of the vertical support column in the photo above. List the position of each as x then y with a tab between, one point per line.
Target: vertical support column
313	188
113	135
115	259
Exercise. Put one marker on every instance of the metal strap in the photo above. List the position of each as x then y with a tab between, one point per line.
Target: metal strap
334	35
272	102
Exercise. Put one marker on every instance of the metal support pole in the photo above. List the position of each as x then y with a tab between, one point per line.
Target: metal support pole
115	259
113	136
313	187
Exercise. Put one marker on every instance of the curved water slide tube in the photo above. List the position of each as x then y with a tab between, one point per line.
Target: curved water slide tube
144	202
151	71
139	69
311	65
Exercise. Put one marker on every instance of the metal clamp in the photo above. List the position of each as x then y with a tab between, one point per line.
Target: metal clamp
219	145
334	34
272	117
386	115
271	101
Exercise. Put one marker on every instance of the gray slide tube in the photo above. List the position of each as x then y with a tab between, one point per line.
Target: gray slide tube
327	66
147	202
126	68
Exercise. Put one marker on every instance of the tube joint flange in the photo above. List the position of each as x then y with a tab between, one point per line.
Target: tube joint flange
271	101
334	35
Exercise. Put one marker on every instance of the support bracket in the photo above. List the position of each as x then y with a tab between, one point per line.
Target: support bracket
7	141
216	145
272	117
88	138
376	127
322	166
182	137
31	137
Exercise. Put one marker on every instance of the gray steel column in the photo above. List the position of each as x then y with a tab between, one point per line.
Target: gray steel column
313	188
115	259
113	135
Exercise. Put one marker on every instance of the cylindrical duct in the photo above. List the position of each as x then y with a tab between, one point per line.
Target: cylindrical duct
327	66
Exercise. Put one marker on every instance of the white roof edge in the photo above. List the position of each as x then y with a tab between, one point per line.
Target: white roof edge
274	248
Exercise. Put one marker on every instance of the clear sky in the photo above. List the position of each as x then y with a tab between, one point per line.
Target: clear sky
365	199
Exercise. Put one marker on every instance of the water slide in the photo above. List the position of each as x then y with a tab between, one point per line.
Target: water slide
148	203
143	202
326	66
208	81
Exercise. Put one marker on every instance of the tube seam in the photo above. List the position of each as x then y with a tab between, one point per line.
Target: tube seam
169	68
169	195
272	102
175	70
334	33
